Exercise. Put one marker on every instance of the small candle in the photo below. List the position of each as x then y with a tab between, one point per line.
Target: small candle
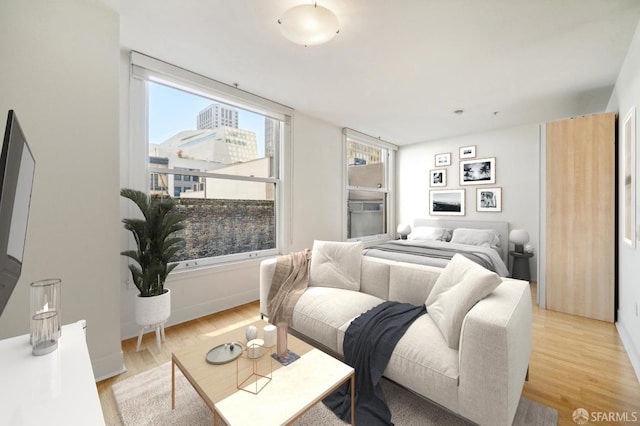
269	333
254	348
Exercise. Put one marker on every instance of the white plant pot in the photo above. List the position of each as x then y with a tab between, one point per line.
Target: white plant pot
153	310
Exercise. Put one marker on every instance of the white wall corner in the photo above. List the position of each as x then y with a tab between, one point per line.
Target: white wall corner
632	352
109	366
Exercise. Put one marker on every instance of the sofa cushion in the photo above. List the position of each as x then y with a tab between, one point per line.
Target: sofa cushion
320	311
423	362
460	286
374	277
336	264
411	283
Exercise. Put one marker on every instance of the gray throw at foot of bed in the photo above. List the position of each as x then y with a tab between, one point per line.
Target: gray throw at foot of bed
368	344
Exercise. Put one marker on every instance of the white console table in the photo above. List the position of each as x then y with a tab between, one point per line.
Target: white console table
53	389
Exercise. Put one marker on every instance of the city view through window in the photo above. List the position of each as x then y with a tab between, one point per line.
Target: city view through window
219	163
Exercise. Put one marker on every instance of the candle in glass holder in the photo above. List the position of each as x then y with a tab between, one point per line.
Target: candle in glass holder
45	324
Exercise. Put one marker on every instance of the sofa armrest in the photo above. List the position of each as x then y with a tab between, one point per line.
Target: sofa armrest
495	346
267	269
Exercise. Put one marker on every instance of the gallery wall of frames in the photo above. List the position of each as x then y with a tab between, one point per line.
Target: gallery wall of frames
447	194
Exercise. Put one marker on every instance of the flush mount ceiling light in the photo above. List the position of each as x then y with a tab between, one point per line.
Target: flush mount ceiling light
309	24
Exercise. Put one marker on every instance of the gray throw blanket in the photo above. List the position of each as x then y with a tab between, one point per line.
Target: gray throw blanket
368	344
290	280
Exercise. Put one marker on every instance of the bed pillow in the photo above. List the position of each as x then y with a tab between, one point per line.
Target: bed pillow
336	264
461	285
432	233
476	237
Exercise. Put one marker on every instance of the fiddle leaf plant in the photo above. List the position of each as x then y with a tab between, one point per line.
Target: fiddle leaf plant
154	236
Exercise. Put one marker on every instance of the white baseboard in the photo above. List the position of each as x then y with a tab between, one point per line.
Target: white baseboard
109	366
627	342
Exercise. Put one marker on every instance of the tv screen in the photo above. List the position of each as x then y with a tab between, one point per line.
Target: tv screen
17	168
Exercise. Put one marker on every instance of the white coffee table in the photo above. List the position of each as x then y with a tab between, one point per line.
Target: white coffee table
293	390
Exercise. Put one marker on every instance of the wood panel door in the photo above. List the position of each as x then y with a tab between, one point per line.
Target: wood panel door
580	216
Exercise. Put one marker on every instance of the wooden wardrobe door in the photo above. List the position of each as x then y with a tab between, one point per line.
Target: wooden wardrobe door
580	216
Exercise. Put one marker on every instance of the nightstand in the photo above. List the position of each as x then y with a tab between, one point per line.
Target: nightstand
520	268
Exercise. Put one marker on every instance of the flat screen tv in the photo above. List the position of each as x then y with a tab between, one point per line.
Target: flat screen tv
17	168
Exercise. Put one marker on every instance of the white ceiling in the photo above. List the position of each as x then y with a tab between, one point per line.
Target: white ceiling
398	69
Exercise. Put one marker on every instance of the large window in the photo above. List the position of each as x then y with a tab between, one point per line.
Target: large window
369	186
216	151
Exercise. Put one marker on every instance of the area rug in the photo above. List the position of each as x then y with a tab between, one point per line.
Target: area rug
145	399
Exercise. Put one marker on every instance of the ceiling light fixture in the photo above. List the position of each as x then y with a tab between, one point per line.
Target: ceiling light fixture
309	24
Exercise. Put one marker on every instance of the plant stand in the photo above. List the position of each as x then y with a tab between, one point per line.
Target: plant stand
153	313
159	328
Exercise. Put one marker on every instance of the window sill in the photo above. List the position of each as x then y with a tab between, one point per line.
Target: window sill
211	269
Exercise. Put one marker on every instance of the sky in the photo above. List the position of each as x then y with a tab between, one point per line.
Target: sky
172	111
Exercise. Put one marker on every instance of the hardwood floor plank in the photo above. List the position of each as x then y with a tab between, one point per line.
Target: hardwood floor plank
575	363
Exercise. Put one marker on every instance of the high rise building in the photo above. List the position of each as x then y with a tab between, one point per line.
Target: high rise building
271	136
361	153
217	115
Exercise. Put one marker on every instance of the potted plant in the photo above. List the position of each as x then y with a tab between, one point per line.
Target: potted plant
156	245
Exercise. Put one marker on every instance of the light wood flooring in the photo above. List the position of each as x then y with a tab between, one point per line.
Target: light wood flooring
575	363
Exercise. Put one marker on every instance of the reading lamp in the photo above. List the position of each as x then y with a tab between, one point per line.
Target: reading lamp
404	230
519	237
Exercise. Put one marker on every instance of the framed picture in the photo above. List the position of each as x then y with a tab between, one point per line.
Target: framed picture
468	152
478	172
446	202
443	159
489	199
629	138
438	177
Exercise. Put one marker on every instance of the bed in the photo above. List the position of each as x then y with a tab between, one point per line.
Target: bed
435	241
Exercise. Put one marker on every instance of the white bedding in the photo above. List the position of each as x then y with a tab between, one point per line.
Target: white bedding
436	253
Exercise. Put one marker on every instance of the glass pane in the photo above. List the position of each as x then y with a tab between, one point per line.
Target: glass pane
366	214
366	165
224	216
196	133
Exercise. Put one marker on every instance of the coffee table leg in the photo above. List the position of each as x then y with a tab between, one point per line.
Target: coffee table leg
173	384
353	399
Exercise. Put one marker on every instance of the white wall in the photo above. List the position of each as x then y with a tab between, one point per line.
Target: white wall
59	72
318	169
517	172
626	95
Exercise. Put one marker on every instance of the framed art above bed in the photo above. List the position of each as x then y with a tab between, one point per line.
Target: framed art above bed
447	202
468	152
479	171
443	159
438	177
489	199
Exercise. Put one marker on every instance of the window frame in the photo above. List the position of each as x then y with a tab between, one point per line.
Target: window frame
389	189
144	69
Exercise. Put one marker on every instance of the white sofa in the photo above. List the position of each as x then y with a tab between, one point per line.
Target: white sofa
481	380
